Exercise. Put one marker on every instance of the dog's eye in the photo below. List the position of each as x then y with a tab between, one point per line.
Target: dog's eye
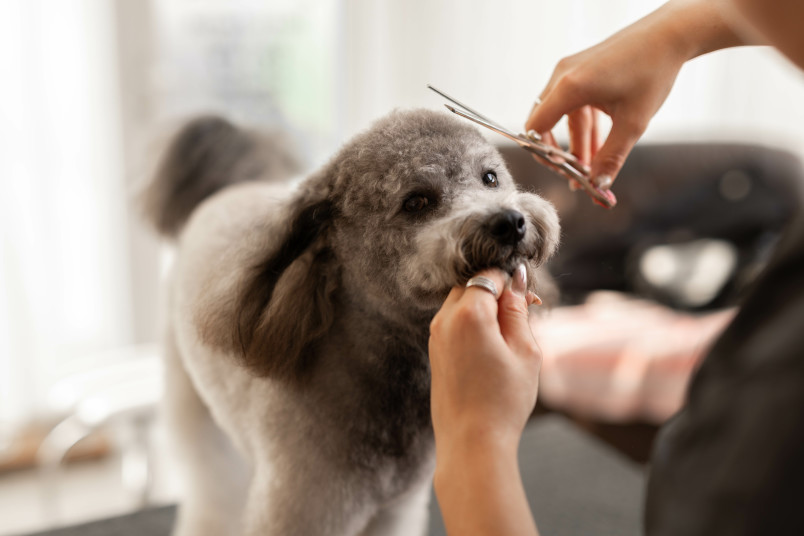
490	179
416	203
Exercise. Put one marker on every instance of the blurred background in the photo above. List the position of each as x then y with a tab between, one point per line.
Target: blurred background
90	88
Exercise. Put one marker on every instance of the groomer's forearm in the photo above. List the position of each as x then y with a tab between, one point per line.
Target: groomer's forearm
480	490
697	27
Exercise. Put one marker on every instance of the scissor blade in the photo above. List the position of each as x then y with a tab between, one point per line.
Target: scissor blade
480	120
465	107
536	147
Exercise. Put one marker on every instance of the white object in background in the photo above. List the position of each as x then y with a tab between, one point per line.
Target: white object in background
620	359
121	398
63	265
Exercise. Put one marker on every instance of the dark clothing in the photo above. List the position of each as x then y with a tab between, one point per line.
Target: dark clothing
732	461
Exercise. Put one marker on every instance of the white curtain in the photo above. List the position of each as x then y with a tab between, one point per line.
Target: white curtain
77	268
63	209
331	66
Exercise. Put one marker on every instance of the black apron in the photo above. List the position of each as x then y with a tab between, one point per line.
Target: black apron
732	461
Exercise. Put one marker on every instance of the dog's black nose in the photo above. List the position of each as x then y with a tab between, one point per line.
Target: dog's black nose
508	227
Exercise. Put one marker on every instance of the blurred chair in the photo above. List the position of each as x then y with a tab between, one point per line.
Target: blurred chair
701	201
120	398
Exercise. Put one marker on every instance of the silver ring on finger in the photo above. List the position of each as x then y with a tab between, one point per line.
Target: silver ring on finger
483	282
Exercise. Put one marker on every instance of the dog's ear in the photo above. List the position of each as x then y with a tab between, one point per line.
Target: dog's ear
285	305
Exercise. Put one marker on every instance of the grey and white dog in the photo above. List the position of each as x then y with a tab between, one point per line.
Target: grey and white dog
298	387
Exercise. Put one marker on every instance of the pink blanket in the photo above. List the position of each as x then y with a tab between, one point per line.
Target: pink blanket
619	359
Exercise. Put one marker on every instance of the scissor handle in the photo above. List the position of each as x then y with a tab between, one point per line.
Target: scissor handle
567	169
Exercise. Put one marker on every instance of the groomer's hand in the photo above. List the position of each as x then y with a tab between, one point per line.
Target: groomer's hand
485	363
485	373
628	77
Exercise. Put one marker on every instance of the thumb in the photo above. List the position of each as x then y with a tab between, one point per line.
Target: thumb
608	161
512	315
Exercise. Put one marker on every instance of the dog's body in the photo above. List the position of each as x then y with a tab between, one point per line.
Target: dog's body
298	319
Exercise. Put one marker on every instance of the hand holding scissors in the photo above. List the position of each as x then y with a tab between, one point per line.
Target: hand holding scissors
562	162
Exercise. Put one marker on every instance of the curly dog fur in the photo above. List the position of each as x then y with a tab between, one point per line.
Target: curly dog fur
299	312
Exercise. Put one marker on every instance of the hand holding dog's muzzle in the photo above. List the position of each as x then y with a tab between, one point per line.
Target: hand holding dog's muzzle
485	283
484	361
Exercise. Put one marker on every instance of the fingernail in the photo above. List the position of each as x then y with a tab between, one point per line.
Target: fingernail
519	285
534	298
603	182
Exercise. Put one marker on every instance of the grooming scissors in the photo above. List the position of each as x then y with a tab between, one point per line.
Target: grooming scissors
562	162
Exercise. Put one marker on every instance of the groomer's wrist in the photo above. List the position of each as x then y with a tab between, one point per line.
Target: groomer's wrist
696	27
480	492
476	448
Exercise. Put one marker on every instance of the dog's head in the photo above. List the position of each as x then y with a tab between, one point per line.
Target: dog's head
407	210
424	202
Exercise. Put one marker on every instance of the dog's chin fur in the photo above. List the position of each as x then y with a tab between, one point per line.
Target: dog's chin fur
298	387
431	299
508	262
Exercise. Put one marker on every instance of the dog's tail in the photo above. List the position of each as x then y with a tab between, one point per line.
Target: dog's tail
207	155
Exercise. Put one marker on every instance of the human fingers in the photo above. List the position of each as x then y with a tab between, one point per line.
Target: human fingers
481	294
580	123
452	298
594	133
469	305
537	102
512	315
549	139
612	154
561	99
472	304
533	299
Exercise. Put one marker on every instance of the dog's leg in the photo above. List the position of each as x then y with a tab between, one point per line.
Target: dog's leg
306	499
214	476
406	516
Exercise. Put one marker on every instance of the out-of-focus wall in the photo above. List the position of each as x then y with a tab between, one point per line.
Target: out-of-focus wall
497	56
89	88
64	269
89	92
265	64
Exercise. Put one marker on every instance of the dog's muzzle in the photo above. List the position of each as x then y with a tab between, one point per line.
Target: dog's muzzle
498	241
507	227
